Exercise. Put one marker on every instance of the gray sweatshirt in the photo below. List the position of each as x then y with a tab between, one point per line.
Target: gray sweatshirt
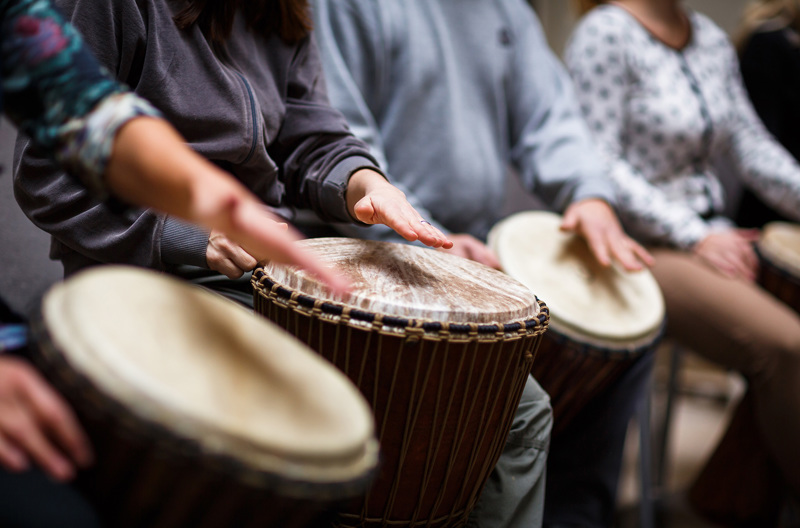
256	106
450	94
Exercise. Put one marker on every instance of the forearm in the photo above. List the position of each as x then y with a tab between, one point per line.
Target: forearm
151	166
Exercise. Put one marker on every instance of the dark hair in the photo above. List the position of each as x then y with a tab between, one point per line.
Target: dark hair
290	19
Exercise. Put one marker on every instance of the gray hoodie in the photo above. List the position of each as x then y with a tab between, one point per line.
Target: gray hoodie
256	106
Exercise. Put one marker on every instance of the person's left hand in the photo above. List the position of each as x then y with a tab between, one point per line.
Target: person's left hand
597	223
373	200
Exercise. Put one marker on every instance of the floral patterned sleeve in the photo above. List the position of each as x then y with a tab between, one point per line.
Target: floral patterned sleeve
54	90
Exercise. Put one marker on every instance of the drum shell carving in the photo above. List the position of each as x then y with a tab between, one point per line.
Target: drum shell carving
443	401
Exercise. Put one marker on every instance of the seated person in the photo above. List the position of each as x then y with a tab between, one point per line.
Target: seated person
660	87
244	87
57	94
449	96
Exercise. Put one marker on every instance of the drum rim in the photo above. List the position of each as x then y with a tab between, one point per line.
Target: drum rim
99	404
606	348
265	286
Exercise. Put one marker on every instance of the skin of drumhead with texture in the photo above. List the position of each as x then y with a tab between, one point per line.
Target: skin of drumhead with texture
412	282
584	298
780	243
207	369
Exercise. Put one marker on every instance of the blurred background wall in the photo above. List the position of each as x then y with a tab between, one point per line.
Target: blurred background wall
558	16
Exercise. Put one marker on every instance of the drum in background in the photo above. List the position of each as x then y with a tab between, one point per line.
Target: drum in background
200	413
440	346
601	319
779	252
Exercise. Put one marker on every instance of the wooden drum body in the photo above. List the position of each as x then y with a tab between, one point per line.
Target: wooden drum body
602	319
200	414
779	252
441	348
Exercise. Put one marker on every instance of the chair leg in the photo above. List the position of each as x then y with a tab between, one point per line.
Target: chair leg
666	424
647	504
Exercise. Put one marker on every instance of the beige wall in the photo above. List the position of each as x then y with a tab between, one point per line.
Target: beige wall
558	17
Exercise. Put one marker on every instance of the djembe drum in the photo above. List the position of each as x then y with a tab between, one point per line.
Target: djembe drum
779	253
200	413
440	346
602	319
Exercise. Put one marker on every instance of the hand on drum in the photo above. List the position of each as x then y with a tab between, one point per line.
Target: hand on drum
596	222
245	223
469	247
37	425
730	252
373	200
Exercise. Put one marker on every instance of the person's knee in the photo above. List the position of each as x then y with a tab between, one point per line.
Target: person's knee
533	420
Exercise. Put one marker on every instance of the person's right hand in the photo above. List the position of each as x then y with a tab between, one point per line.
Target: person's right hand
730	252
37	425
469	247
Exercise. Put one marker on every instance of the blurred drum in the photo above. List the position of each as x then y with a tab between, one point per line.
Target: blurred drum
200	413
779	252
602	319
440	346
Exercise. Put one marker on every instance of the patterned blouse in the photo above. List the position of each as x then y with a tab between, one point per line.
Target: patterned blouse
665	117
50	87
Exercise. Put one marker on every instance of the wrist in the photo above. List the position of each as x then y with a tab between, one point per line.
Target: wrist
361	183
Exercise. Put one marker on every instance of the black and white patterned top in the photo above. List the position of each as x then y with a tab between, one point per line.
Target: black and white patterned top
665	116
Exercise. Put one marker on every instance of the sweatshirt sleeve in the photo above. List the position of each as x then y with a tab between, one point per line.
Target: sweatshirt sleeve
315	148
353	52
551	144
78	221
646	211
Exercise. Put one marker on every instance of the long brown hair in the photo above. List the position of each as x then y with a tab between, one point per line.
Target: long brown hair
584	6
290	19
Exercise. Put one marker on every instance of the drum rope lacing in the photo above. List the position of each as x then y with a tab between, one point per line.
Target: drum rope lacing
265	287
288	307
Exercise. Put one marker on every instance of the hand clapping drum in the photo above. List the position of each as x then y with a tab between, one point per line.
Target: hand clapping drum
601	318
200	413
440	346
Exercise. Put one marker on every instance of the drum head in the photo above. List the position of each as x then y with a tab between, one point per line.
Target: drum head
209	371
412	282
780	244
584	298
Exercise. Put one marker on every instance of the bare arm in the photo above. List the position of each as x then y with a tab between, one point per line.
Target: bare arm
151	166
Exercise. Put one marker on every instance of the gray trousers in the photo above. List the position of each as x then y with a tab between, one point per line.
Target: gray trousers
514	494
